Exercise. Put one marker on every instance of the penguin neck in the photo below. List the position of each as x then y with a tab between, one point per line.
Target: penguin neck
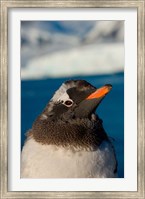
80	132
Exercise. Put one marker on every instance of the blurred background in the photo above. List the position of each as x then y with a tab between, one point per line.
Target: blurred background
55	51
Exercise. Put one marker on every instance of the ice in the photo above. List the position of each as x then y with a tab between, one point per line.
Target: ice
71	48
84	60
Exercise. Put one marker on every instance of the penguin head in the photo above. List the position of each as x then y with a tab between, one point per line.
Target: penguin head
75	99
69	118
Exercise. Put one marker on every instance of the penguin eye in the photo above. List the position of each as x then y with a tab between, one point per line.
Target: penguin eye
68	103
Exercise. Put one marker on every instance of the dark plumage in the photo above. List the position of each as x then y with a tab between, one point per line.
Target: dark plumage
68	126
76	132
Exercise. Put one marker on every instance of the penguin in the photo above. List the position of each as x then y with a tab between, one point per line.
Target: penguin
68	140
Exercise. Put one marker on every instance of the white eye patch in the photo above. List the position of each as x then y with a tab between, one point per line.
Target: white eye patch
65	100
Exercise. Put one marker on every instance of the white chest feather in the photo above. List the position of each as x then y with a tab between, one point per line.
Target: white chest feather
48	161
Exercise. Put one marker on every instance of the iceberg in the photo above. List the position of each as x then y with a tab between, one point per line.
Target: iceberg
93	59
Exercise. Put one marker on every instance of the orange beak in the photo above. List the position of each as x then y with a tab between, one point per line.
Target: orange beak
101	92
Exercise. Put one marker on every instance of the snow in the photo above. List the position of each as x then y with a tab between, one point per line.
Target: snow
71	48
85	60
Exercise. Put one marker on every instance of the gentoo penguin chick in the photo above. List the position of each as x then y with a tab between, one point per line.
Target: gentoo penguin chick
67	140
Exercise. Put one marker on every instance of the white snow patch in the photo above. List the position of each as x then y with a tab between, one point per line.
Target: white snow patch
84	60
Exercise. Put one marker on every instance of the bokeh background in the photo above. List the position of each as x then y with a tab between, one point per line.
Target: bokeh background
55	51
